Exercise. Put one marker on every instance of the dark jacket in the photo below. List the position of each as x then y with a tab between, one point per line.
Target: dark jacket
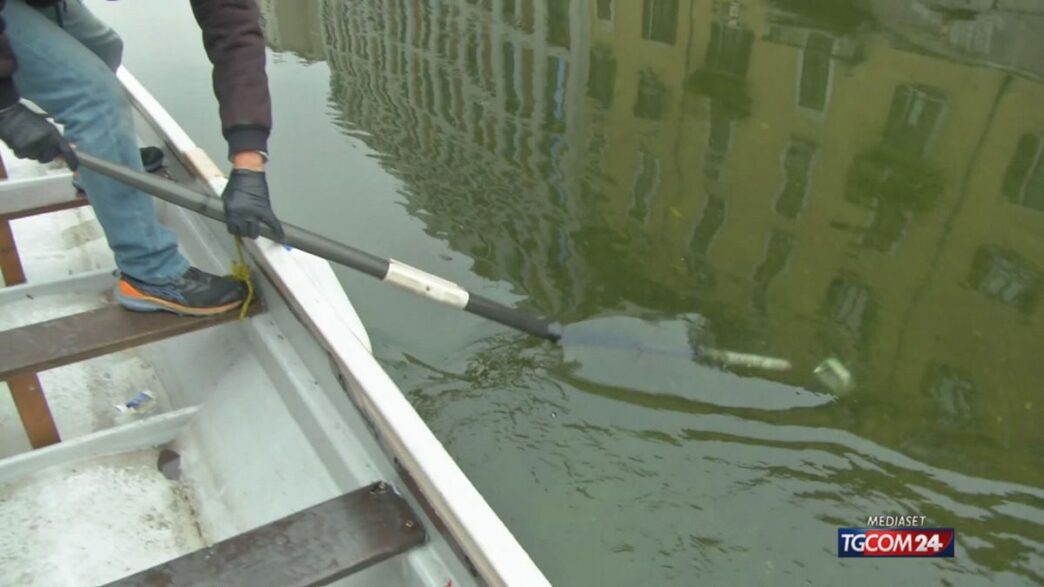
233	40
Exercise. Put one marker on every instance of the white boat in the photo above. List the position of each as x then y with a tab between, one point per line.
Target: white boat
272	450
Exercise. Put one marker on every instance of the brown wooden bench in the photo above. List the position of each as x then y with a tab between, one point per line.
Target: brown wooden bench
315	546
71	339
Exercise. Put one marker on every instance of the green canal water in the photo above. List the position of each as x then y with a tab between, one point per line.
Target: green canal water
801	179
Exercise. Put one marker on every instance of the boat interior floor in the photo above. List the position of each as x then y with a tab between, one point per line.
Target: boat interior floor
195	450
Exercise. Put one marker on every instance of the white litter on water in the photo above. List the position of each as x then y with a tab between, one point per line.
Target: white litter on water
833	374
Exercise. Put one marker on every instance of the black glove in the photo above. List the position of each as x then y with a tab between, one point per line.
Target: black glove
247	205
31	136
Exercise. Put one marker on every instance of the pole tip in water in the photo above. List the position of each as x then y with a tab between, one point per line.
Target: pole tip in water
746	360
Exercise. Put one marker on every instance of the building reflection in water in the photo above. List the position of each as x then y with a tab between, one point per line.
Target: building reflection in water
813	189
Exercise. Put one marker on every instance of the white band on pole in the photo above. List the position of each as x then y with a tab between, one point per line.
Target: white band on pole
426	284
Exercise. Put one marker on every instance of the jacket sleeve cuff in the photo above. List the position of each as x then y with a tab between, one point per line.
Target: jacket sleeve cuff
8	93
246	138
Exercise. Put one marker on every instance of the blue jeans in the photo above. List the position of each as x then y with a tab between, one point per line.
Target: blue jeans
69	71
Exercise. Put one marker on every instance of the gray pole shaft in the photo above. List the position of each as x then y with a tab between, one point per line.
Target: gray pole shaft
313	243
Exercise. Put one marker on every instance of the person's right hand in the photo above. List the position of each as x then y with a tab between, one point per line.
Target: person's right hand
31	136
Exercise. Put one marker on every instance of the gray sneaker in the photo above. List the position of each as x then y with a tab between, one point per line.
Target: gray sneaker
195	293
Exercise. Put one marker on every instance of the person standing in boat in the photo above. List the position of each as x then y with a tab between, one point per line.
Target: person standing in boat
61	57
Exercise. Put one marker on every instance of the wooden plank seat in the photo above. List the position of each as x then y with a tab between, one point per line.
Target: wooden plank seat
20	198
315	546
70	339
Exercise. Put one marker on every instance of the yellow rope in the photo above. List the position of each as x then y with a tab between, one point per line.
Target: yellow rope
241	272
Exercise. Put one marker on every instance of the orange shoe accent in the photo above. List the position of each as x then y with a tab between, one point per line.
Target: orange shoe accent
130	291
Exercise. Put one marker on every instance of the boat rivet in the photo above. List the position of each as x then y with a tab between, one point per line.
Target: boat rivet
410	524
381	487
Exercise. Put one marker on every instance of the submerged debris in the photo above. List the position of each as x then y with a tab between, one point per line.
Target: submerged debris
833	374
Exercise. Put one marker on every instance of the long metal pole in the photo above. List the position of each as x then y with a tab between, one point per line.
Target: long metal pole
386	270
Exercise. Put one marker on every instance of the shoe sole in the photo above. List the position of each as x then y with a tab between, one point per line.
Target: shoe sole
135	301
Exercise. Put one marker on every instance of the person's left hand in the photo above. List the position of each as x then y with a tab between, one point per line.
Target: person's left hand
32	136
247	206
